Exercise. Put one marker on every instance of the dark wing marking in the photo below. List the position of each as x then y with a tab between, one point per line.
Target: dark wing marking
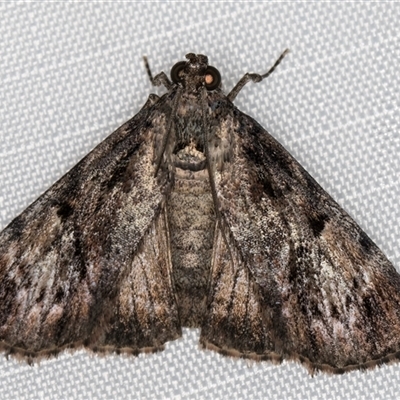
328	296
68	260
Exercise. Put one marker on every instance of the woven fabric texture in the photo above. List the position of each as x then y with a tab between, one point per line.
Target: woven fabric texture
72	73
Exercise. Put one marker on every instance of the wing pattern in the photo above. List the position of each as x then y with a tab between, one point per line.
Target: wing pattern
326	295
68	262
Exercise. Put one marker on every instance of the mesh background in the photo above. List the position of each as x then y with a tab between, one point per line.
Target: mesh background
72	73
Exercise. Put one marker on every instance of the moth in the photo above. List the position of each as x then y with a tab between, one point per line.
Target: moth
192	215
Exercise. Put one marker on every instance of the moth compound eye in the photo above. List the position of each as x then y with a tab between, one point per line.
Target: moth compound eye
176	70
212	78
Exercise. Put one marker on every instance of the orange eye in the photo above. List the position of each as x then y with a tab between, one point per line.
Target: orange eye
212	78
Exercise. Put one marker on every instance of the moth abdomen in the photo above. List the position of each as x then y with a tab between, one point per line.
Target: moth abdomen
191	217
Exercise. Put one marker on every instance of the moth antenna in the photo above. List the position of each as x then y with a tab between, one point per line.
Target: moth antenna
147	66
254	77
159	79
277	62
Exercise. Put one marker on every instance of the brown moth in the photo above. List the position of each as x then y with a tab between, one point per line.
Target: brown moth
192	215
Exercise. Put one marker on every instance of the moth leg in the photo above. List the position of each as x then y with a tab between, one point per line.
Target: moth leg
169	129
210	168
254	77
158	80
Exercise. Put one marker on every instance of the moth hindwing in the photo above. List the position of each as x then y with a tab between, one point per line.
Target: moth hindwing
191	214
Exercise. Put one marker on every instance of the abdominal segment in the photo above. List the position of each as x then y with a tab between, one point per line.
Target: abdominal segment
191	224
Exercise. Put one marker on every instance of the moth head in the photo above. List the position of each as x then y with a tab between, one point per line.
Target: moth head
196	72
